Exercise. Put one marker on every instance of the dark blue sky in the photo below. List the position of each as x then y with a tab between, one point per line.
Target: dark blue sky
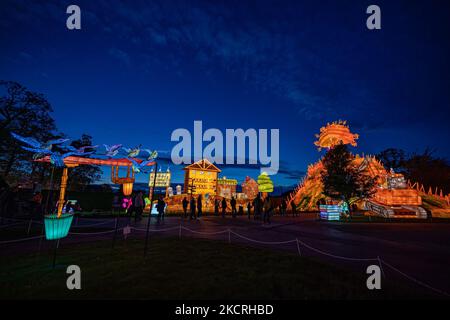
140	69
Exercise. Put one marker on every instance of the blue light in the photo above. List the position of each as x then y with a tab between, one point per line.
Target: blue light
57	228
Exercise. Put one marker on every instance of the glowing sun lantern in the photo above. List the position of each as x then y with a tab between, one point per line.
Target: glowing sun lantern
335	133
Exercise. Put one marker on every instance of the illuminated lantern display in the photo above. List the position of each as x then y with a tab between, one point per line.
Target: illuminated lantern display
202	176
126	182
57	227
330	212
226	187
392	196
335	133
162	180
265	185
250	188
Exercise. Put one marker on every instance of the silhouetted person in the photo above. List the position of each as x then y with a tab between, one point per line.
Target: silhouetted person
249	209
160	206
224	207
283	207
294	208
233	207
267	210
257	206
192	207
185	204
138	206
199	206
216	207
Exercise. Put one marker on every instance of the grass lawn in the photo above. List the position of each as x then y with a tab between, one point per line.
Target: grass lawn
187	269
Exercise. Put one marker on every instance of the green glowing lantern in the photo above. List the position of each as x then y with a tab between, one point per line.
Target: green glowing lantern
57	227
264	183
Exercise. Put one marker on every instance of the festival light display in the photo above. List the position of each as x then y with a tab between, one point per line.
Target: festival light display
202	175
250	188
265	185
335	133
330	212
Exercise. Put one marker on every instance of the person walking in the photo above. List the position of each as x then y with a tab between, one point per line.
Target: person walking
185	204
294	209
267	210
192	207
224	207
249	209
161	206
233	207
138	206
216	207
257	207
283	207
199	206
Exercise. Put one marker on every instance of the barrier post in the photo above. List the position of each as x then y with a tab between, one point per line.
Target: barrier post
151	207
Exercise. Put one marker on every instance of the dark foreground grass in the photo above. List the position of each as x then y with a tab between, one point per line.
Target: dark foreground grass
187	269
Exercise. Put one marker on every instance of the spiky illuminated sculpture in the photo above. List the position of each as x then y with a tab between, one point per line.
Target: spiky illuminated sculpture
335	133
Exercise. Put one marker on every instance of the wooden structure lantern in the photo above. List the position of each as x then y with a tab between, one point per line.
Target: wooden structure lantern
126	182
202	175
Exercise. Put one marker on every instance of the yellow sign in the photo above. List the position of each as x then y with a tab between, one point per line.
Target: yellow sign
203	181
162	179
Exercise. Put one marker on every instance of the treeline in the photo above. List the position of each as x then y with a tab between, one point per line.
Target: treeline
423	168
29	114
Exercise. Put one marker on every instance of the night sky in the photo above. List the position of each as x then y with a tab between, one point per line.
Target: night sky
137	70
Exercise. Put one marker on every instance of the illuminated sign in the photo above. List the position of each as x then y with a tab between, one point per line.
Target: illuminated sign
201	178
162	179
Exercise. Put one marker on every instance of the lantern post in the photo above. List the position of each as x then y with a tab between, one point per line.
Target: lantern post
151	207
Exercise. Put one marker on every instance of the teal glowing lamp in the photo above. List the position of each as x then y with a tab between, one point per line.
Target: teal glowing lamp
57	227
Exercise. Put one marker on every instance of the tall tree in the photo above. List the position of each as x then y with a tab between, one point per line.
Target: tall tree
341	179
81	176
25	112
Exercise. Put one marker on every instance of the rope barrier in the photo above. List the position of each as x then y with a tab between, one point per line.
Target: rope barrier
415	280
12	224
262	242
205	233
20	240
336	256
229	231
154	230
93	233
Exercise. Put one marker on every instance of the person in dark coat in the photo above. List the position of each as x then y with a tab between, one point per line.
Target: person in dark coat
160	206
216	207
249	209
224	207
192	207
233	207
185	204
294	208
199	206
257	204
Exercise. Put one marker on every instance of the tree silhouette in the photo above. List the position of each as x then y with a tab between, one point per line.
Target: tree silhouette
341	179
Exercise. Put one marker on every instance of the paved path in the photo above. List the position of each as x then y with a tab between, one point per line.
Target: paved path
421	250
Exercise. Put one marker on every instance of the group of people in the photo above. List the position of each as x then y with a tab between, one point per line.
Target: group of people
135	204
195	207
262	208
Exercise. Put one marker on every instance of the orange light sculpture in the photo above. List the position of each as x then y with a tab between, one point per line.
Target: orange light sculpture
334	134
126	182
